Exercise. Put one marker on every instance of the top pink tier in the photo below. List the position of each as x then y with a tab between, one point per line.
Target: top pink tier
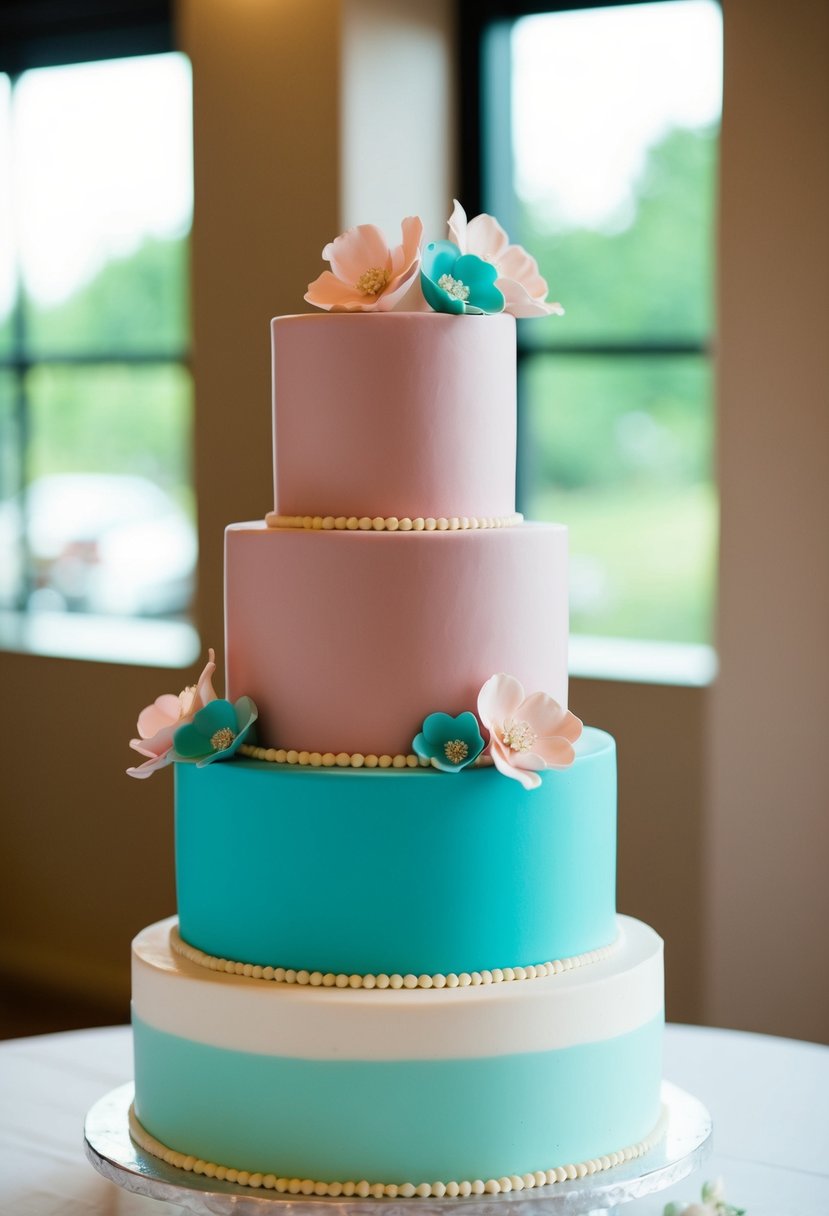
394	414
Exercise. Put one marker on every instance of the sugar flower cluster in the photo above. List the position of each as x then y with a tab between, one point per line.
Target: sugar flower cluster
527	734
196	726
476	270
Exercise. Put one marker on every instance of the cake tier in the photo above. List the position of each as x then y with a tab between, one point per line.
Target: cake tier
398	1086
417	872
347	640
394	414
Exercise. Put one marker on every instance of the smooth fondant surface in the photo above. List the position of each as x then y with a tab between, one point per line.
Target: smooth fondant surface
403	1121
352	871
399	1085
347	640
394	414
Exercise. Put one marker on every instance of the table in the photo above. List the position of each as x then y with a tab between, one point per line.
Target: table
769	1099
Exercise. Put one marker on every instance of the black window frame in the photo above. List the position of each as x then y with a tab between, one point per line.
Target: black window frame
479	20
49	33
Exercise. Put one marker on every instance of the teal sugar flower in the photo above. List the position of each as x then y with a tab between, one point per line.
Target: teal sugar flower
449	743
216	731
457	282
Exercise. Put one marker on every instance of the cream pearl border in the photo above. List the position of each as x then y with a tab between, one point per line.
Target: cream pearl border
391	523
318	979
379	1190
281	755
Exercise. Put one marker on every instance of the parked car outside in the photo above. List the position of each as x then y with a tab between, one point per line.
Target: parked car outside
99	543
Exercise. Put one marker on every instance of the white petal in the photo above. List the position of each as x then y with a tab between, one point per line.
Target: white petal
504	761
457	226
518	303
499	699
486	238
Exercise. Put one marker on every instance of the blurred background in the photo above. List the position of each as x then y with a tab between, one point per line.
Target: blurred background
169	173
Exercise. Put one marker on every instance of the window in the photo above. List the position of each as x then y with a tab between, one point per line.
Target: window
97	532
598	153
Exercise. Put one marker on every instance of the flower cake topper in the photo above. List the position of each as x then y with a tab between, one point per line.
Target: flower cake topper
476	271
158	723
366	275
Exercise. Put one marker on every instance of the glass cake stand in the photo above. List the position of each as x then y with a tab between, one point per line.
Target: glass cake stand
684	1145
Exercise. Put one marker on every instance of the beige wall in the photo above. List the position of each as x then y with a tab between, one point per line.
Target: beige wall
266	82
659	732
89	853
397	121
767	844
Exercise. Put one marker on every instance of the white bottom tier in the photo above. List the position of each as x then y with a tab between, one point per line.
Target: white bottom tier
398	1087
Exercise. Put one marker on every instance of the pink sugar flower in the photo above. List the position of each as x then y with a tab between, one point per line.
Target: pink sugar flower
158	723
519	279
366	275
526	734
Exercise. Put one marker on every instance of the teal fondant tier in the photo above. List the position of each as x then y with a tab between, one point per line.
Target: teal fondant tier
407	871
399	1121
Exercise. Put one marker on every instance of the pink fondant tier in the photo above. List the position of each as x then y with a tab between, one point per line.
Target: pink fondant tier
347	640
394	415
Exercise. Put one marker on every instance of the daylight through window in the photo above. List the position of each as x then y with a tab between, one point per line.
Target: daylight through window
605	168
97	514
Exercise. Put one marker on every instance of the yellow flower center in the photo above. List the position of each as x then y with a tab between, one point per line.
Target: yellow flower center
455	750
372	281
518	736
222	739
185	700
453	287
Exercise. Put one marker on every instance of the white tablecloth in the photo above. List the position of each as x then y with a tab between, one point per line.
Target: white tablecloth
769	1099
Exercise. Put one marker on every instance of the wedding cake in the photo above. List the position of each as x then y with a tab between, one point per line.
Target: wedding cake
397	968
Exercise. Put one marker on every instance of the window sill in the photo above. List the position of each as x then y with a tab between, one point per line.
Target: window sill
642	662
101	639
175	644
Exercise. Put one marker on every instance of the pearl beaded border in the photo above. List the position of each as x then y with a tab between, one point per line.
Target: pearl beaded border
380	1190
391	523
281	755
319	979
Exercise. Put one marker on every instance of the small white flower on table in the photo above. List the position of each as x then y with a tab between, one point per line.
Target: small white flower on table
713	1203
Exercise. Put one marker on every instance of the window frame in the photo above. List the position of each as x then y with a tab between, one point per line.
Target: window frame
37	34
42	34
479	112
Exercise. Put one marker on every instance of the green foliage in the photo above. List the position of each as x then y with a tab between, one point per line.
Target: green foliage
113	419
620	447
6	335
617	421
652	278
9	437
642	562
136	305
